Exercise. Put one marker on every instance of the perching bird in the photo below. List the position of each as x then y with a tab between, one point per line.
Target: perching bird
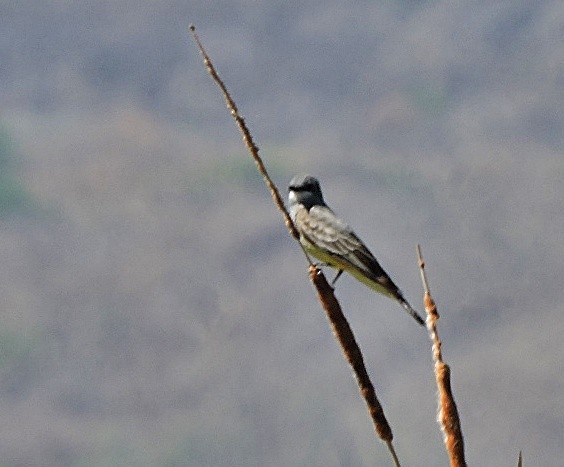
334	243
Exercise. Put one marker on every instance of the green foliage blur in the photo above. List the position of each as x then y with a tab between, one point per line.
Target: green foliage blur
14	198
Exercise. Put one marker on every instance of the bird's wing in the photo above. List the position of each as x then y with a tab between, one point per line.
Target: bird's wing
321	227
326	231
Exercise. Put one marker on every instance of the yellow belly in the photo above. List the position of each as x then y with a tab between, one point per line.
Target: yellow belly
338	262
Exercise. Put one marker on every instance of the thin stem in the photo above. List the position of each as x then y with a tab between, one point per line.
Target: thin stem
248	139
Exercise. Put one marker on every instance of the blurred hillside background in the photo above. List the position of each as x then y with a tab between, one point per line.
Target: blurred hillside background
154	310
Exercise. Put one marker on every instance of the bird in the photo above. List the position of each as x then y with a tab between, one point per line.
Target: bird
329	239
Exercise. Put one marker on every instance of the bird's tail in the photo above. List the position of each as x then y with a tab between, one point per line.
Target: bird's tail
412	312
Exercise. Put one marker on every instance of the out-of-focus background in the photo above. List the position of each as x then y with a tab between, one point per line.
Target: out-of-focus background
154	310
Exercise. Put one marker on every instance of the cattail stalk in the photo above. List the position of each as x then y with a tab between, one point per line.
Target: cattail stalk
340	325
447	412
344	335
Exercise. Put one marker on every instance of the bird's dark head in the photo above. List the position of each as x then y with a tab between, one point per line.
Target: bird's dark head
305	190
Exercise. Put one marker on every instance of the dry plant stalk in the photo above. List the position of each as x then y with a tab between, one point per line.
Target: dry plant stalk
248	139
448	414
340	325
351	350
